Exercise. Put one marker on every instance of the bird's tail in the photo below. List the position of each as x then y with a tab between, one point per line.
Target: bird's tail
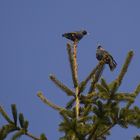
112	64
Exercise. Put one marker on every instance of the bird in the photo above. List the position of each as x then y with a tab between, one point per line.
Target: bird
75	36
102	54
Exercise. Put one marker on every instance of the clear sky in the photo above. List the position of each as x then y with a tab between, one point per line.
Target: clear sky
32	47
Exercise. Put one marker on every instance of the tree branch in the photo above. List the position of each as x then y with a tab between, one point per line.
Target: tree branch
64	88
84	82
46	101
73	63
106	130
125	67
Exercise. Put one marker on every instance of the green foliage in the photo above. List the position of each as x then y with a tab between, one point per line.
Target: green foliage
94	109
21	120
43	137
5	130
12	126
70	104
4	114
14	112
64	88
137	137
100	108
17	135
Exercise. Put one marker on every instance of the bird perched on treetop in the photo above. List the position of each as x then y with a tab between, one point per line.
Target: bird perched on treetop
102	54
75	36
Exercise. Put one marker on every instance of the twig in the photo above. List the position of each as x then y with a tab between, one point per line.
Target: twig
77	102
75	63
93	132
64	88
72	64
76	77
84	82
31	136
46	101
136	92
106	130
96	78
125	67
4	114
112	91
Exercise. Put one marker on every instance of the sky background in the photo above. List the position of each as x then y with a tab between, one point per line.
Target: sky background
32	47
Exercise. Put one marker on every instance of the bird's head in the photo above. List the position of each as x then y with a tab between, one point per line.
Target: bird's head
84	32
100	47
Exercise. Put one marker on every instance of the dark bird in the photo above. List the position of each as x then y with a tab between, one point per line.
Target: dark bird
75	36
102	54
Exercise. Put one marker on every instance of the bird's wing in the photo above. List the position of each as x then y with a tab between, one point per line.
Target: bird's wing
112	59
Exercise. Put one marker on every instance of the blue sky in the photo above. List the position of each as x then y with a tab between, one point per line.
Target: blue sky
32	47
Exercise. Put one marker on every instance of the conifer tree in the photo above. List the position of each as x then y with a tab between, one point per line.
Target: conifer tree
89	114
